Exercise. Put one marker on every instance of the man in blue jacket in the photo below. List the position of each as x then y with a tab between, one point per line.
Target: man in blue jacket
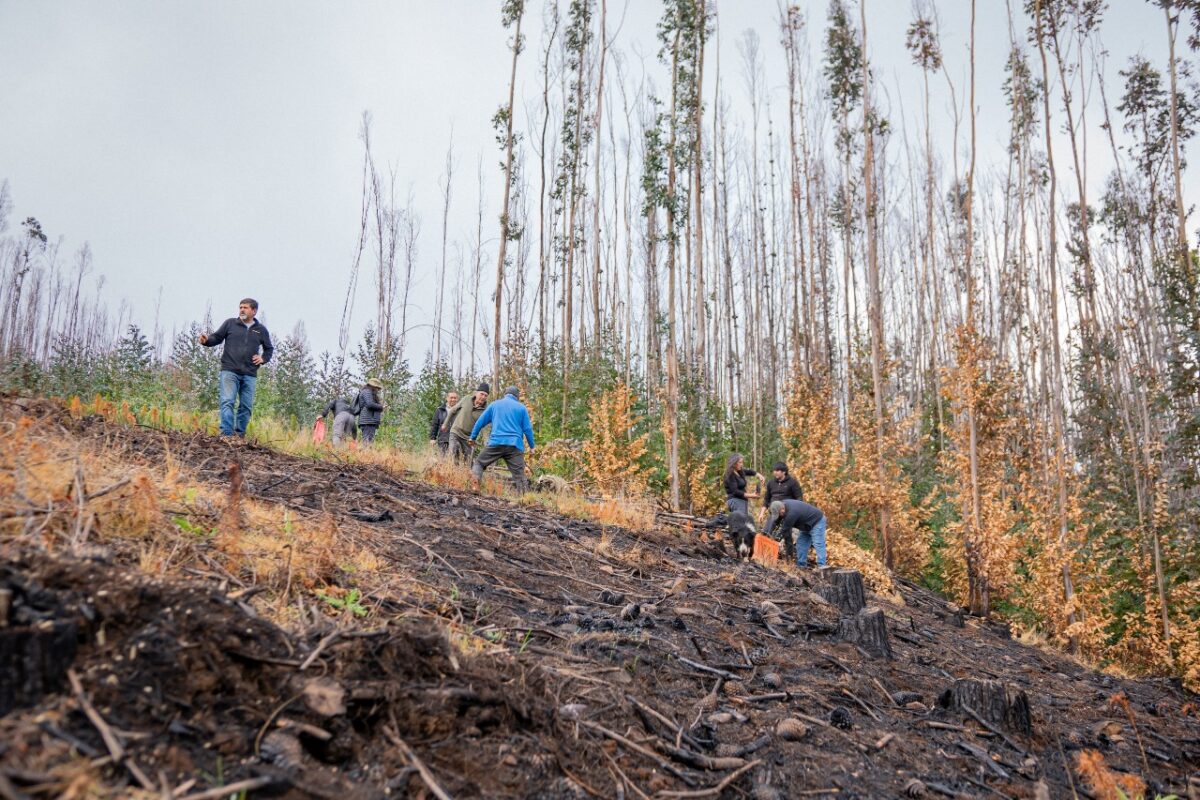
510	429
247	347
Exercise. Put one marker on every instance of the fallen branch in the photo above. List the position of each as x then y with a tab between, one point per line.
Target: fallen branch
636	789
10	792
106	733
993	729
637	748
715	790
706	668
863	705
422	770
985	759
761	698
321	645
684	756
248	785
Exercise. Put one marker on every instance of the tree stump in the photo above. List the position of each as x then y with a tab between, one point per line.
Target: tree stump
999	703
34	661
868	630
844	588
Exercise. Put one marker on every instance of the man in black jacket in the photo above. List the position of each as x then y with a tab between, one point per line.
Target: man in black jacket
436	434
781	487
247	347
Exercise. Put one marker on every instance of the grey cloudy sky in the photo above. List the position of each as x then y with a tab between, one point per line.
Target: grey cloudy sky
210	148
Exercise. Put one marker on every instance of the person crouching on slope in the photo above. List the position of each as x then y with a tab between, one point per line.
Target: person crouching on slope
510	429
803	526
344	425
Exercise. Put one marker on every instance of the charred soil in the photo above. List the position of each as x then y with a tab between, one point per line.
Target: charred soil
498	650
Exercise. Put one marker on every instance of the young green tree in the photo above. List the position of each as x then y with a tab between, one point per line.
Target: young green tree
193	368
287	384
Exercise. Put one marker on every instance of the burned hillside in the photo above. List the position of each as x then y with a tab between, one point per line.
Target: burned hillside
395	637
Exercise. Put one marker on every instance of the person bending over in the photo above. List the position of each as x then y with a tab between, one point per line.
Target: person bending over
802	525
344	425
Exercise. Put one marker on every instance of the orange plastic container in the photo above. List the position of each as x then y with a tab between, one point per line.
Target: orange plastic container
766	549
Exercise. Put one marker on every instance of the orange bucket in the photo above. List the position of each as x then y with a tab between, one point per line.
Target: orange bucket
766	549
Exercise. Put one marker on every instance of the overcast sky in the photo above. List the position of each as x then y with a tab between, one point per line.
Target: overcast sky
210	149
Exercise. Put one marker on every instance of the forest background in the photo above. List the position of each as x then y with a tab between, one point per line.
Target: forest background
987	373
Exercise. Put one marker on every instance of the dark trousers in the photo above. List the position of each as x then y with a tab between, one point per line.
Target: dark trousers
368	433
461	449
513	457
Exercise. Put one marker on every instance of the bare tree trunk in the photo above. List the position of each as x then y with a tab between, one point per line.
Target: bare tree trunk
505	222
441	296
477	269
1059	413
672	354
542	227
875	299
596	320
697	220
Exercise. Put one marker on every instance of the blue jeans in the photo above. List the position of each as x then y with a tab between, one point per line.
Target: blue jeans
240	388
814	537
737	504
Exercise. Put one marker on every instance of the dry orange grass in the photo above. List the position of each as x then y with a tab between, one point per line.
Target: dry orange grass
1104	783
69	494
635	514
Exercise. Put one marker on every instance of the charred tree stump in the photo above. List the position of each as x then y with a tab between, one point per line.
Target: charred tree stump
34	661
868	630
844	589
991	701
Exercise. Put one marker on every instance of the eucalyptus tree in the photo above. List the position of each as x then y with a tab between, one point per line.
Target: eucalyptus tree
872	125
511	14
844	78
670	149
569	186
922	42
1044	19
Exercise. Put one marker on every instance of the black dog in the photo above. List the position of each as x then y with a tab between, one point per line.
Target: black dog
742	533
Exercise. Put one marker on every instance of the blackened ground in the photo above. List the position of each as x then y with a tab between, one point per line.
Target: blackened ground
514	653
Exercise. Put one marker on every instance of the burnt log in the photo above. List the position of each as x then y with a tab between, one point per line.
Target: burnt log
844	589
1000	704
868	630
33	661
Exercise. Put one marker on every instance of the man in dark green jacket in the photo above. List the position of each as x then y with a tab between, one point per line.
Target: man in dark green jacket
461	420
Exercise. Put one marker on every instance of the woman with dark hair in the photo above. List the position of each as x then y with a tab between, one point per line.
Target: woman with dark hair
735	484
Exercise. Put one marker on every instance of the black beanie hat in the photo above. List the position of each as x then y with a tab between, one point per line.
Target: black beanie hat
483	387
781	467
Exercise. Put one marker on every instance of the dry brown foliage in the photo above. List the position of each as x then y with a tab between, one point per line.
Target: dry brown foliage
612	457
1104	783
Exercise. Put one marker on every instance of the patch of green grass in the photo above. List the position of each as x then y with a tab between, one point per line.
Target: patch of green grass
185	525
351	602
